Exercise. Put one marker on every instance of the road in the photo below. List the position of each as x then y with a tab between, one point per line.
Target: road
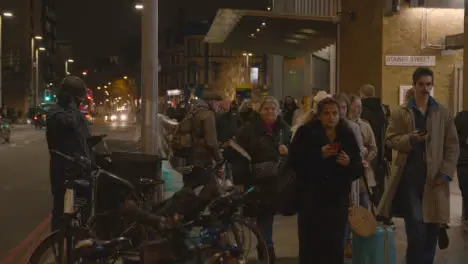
25	200
24	187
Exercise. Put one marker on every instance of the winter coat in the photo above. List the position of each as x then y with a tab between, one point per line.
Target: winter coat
442	150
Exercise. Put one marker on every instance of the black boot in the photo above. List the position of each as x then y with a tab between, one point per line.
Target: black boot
260	253
271	252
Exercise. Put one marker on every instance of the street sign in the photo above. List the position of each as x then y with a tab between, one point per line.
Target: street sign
417	61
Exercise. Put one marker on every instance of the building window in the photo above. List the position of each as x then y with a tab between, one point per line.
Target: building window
194	47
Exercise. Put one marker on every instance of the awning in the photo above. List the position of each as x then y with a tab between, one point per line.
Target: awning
272	32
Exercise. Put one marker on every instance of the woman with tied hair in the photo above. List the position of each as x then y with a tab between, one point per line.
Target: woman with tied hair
326	159
368	138
265	137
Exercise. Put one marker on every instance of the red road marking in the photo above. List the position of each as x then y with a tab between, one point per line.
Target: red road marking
12	254
31	249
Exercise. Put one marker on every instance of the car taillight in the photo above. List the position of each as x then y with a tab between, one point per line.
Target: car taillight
35	118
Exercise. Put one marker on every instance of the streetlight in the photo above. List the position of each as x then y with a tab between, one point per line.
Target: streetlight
99	88
138	6
85	73
109	83
125	77
6	15
66	66
36	77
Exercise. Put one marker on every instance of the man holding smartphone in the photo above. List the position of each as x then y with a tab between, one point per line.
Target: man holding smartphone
424	135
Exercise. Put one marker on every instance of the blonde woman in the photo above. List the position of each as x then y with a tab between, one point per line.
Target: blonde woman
368	139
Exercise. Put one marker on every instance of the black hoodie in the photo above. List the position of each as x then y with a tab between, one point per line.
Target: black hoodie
461	122
373	112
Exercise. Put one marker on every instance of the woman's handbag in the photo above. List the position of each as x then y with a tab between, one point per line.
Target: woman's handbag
265	170
361	220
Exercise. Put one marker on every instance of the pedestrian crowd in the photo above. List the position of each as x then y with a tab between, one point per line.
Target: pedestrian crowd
340	156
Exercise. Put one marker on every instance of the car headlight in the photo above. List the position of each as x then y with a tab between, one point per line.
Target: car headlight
123	117
113	117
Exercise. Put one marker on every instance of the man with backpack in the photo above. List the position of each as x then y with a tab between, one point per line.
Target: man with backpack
377	114
195	140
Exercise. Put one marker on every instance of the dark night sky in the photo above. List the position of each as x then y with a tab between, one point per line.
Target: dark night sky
98	28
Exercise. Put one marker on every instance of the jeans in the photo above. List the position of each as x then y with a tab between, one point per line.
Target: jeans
422	241
364	200
421	237
463	185
265	225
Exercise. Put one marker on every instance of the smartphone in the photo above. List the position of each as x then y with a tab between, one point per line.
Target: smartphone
336	147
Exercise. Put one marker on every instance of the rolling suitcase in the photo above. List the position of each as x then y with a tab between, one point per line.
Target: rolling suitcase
378	248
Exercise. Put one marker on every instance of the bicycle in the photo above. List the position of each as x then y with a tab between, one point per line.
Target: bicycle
177	241
80	215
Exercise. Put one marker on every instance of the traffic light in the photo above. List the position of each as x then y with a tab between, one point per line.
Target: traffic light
47	95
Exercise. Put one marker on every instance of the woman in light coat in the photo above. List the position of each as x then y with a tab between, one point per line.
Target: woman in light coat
371	149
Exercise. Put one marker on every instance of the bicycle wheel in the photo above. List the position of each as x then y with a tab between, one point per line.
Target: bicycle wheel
231	247
47	251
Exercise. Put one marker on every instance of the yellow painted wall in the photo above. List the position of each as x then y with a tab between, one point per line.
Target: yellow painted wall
402	36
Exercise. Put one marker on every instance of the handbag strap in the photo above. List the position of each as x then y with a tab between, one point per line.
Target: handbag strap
371	195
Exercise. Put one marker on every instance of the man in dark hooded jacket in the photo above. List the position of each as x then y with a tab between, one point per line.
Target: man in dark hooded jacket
377	115
67	132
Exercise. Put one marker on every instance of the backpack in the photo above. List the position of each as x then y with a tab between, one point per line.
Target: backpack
181	142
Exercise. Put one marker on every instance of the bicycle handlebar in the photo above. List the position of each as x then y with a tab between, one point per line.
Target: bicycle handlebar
81	161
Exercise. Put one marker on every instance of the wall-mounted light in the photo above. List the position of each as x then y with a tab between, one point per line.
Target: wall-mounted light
7	14
308	31
293	41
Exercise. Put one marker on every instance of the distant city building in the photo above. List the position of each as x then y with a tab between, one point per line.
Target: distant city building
187	62
33	26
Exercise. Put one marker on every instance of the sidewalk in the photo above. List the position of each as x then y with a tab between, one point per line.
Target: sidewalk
286	243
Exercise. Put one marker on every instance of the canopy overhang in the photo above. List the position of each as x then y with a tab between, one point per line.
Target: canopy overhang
273	33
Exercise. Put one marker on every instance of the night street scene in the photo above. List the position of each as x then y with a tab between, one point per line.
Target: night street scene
221	131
